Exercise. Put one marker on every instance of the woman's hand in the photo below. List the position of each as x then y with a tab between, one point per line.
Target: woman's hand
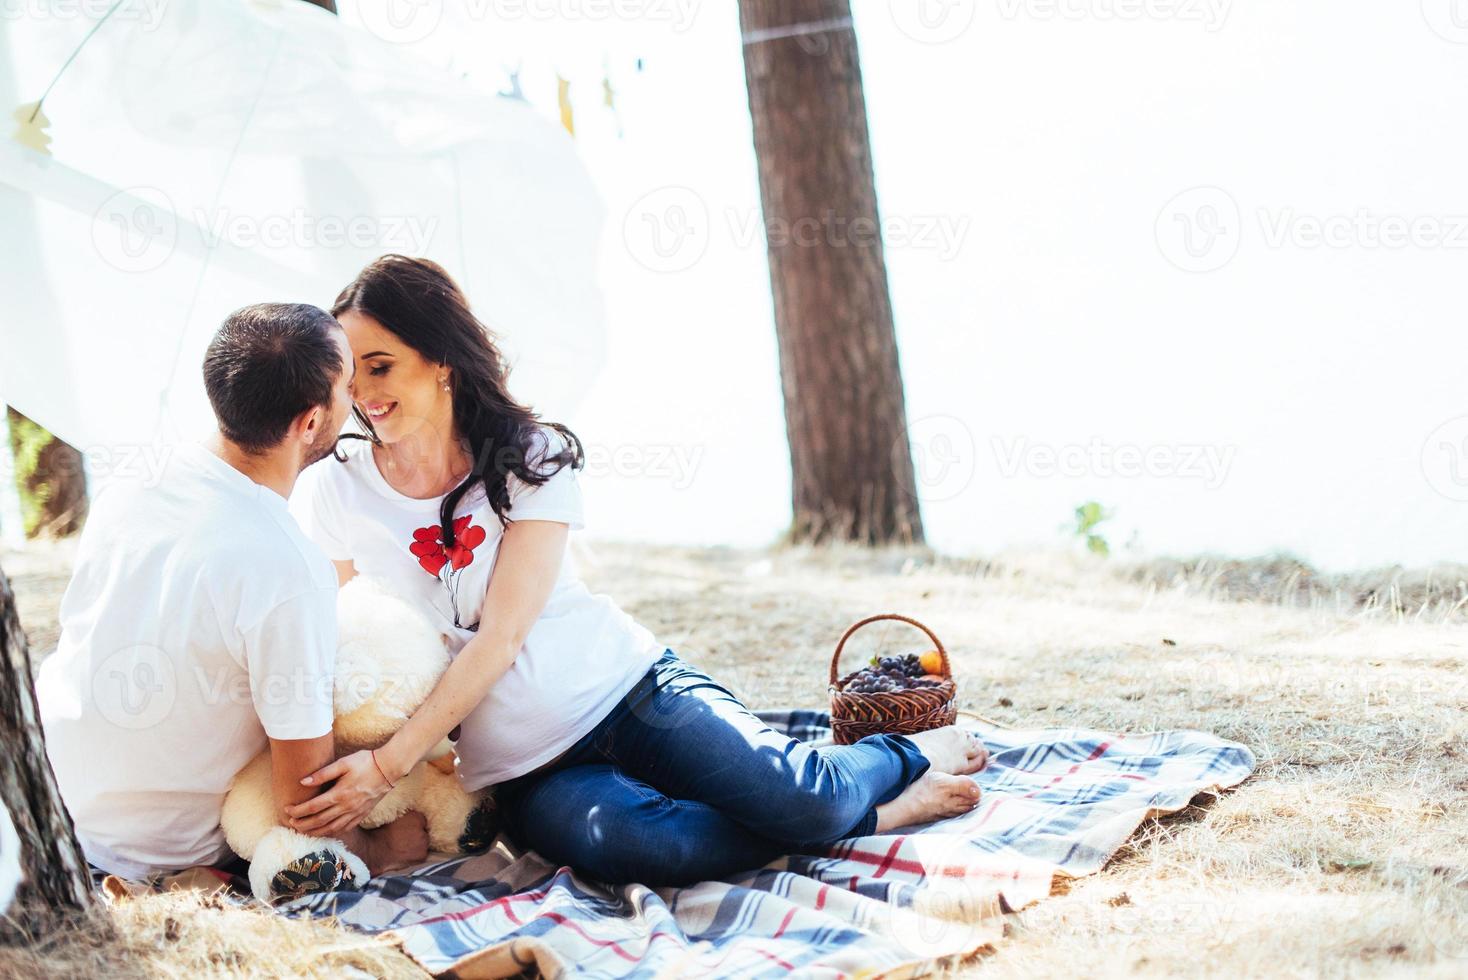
359	784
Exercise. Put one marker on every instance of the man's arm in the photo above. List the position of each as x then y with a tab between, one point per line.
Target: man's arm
404	841
345	571
290	760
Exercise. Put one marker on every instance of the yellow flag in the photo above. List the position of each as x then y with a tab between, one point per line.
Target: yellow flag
32	129
609	99
568	118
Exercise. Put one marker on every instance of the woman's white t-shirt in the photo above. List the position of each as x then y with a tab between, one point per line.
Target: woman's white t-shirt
579	659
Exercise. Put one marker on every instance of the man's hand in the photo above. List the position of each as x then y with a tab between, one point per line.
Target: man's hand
359	784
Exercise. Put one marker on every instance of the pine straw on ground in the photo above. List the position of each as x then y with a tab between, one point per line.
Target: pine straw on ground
189	934
1347	852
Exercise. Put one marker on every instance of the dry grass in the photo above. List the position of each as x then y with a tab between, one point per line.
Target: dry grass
1347	853
189	934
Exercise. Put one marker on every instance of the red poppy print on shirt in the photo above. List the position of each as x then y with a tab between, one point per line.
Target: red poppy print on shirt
443	563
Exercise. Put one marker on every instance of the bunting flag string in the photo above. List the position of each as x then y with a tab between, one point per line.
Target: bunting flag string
767	34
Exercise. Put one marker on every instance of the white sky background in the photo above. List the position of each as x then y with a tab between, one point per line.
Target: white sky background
1292	397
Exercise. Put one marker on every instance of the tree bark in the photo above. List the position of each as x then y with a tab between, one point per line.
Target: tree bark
845	414
55	881
50	477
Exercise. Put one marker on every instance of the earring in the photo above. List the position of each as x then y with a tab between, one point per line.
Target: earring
443	383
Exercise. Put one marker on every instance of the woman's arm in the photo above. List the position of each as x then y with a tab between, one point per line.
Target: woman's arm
525	571
345	571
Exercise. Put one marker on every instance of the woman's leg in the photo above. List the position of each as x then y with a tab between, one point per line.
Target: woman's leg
614	828
692	739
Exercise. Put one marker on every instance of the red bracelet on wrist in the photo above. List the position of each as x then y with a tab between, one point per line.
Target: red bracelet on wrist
380	771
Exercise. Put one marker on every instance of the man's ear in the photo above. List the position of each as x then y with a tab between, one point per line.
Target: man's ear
308	424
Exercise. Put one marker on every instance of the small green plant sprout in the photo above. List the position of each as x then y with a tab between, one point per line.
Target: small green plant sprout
1089	516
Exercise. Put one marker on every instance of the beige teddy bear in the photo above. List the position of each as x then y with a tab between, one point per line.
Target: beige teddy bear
387	662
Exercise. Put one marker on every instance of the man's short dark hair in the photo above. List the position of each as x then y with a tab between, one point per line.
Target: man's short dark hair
267	364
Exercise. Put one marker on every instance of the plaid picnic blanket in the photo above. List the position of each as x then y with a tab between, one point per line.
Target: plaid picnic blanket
1056	803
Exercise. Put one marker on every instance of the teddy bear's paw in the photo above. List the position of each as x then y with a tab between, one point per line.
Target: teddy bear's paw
317	872
288	865
481	828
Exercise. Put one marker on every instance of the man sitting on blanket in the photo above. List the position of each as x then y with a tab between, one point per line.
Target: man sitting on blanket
200	624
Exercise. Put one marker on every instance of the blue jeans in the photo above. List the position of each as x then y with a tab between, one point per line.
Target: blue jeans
681	783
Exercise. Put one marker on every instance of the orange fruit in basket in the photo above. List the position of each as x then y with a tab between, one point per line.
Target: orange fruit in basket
932	662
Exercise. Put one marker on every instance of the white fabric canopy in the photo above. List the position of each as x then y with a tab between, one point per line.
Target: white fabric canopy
207	154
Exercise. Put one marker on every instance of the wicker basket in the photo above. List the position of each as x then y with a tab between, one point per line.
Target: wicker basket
854	716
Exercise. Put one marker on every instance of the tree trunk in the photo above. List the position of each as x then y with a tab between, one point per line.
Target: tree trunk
844	409
49	474
55	881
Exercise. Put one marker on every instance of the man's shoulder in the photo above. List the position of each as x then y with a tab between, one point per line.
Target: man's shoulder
236	532
258	545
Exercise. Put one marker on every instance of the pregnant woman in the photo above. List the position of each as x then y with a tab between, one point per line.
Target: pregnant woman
607	752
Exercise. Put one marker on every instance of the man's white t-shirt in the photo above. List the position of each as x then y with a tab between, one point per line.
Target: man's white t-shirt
579	659
198	621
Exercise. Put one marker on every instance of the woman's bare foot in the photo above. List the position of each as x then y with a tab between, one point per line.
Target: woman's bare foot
952	750
934	796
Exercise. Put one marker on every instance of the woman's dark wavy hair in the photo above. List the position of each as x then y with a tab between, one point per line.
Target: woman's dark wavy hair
419	304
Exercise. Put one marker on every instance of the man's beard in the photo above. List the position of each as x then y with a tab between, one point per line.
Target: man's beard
319	453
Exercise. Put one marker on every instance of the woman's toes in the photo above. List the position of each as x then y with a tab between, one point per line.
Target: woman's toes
976	756
946	749
934	796
957	794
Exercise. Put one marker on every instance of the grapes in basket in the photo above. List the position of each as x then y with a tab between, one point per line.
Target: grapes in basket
885	675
